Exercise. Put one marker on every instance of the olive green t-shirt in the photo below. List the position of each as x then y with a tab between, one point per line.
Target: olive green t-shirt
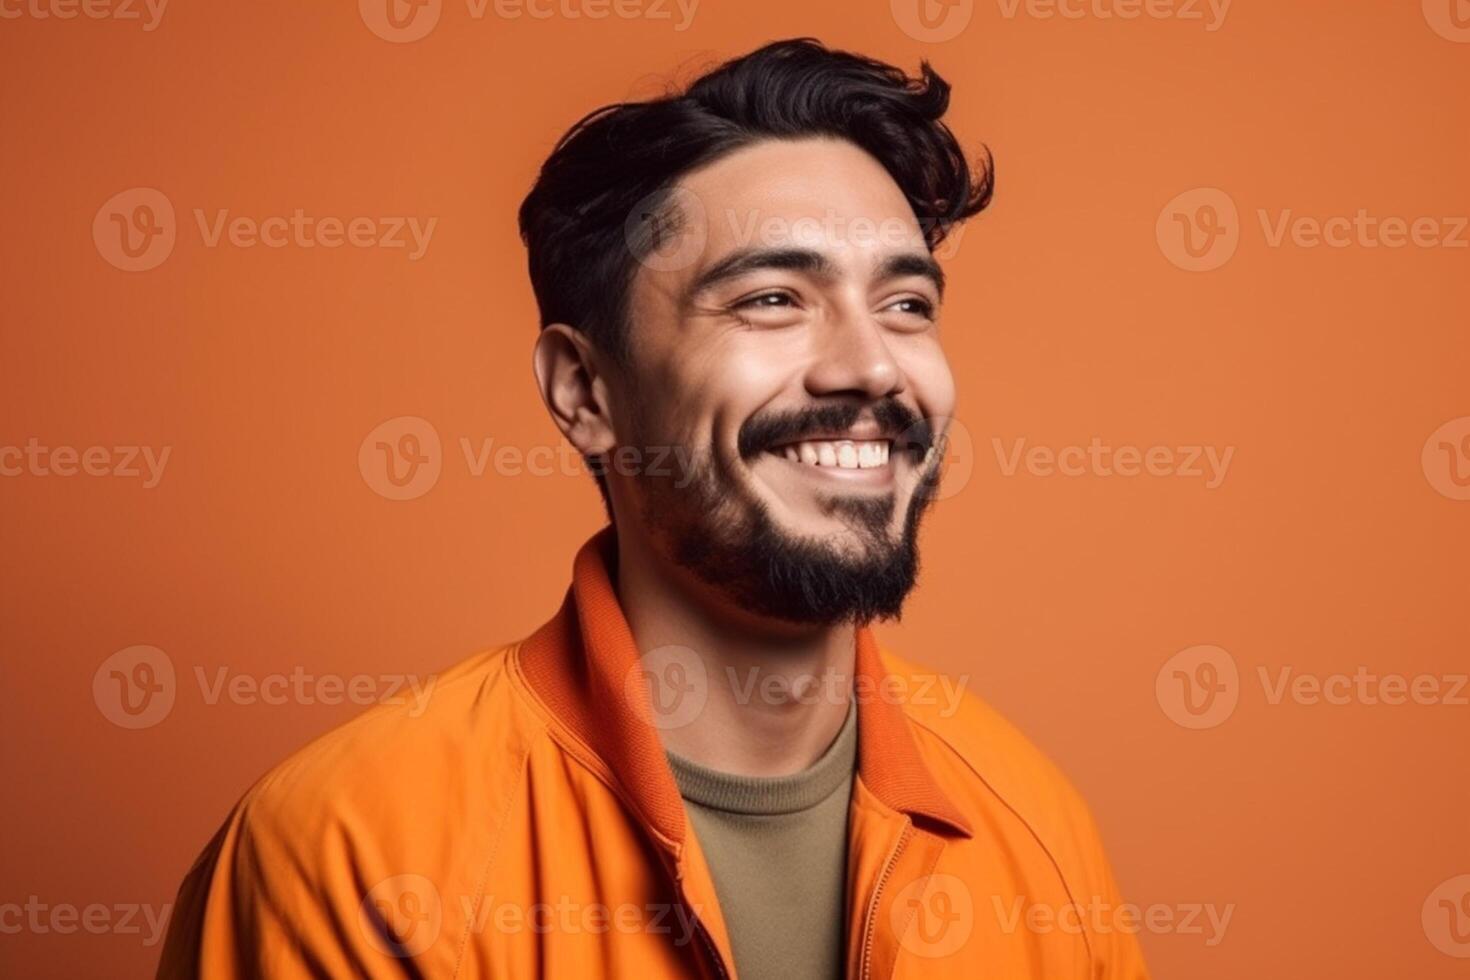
777	848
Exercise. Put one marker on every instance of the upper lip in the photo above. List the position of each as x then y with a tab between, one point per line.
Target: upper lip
861	432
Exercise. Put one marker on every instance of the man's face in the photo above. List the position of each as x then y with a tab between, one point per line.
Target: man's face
784	343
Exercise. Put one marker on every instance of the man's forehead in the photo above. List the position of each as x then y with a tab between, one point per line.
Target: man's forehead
824	194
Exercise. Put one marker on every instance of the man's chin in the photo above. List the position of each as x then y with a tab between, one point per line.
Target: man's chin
827	572
811	559
851	517
841	539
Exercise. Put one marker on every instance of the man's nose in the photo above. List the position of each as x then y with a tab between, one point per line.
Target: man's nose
852	356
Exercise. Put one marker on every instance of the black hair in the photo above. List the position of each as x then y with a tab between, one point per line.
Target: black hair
631	154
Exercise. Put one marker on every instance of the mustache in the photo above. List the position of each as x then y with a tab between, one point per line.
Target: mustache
896	422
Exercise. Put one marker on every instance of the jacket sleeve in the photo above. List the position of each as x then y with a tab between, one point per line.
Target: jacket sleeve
1116	952
264	901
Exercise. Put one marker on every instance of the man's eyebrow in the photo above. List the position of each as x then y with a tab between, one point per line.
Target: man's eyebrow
913	264
745	260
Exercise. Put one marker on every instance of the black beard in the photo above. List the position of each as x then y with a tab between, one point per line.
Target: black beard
732	544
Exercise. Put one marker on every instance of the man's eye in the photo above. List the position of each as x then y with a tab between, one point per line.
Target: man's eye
913	304
763	301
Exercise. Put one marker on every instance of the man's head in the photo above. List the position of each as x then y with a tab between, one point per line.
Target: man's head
739	305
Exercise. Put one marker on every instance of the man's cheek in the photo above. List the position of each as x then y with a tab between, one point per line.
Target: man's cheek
675	455
932	383
688	467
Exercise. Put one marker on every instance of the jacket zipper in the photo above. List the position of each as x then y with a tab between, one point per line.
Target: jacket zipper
671	867
709	943
903	839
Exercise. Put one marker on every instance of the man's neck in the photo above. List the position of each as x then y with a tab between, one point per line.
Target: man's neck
777	695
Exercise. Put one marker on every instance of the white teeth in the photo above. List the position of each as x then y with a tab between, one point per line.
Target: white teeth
841	454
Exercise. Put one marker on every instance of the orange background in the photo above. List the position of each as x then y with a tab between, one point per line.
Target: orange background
263	549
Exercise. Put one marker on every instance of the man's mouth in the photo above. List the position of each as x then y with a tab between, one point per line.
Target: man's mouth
843	454
838	443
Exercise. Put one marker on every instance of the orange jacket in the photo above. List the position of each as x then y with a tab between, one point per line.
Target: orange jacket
526	824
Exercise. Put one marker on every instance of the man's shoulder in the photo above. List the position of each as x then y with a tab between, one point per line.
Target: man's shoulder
983	760
1011	790
946	709
419	744
405	795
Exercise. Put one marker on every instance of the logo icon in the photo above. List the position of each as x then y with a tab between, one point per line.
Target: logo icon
1446	917
933	915
135	687
402	916
667	687
952	446
1446	459
667	231
1199	230
401	459
1450	19
932	21
400	21
1198	687
135	229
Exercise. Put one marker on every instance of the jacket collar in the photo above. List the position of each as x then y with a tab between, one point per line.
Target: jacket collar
579	664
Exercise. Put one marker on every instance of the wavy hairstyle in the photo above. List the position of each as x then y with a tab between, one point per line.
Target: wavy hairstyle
631	154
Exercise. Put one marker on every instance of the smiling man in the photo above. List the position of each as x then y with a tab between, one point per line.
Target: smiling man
703	765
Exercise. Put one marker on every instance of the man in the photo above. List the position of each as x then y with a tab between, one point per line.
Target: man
703	765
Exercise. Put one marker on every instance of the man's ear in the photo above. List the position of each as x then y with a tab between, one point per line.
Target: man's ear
573	388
